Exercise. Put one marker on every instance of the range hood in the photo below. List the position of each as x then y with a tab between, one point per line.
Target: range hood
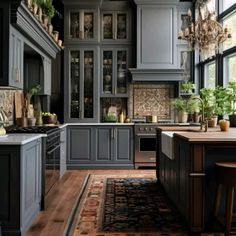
156	75
157	51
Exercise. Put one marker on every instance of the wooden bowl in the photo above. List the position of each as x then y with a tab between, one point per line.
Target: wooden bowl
50	119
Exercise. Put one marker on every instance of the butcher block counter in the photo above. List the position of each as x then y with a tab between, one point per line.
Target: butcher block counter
186	169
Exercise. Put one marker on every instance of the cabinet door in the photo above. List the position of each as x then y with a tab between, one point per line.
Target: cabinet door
82	86
107	71
82	24
16	45
31	181
80	144
115	26
123	144
114	71
104	141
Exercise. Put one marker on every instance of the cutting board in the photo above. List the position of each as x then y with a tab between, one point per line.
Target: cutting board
18	104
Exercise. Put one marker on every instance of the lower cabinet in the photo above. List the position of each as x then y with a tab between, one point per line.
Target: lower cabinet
100	147
20	184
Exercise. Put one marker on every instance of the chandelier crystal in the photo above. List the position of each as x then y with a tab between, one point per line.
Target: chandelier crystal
205	34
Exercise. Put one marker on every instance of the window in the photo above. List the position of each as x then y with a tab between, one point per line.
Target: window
230	69
230	22
210	75
225	4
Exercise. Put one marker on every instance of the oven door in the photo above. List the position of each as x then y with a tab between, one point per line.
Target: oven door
52	167
145	148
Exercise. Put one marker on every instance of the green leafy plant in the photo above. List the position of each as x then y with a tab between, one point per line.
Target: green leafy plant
110	117
231	98
47	8
180	104
209	101
188	87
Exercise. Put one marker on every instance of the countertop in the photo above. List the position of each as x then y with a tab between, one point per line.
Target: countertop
193	134
19	139
102	123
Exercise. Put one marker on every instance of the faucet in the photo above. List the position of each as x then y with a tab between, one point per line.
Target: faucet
203	120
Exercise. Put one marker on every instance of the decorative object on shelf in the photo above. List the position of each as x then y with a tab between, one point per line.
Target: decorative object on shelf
205	34
47	8
50	28
49	118
181	105
55	35
188	87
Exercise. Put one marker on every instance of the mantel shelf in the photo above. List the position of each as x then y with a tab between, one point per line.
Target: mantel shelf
26	23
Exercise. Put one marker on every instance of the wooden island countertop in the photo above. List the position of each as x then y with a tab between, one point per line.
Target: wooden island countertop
189	177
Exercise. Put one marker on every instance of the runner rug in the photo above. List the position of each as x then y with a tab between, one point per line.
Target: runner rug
125	206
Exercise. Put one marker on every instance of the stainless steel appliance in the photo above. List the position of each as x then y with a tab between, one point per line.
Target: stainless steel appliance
145	143
50	155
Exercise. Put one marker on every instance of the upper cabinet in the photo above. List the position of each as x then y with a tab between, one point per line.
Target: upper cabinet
81	77
156	36
22	29
115	26
16	47
115	63
81	25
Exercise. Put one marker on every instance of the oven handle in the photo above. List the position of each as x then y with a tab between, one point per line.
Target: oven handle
48	153
145	135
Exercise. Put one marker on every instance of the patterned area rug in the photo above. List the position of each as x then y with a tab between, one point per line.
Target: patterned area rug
125	206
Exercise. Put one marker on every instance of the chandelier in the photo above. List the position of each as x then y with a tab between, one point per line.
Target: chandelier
205	34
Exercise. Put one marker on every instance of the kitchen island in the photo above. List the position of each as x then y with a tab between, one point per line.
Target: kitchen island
187	170
20	181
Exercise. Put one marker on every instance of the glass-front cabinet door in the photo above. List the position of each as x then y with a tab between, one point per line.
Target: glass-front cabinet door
114	72
81	85
82	25
115	26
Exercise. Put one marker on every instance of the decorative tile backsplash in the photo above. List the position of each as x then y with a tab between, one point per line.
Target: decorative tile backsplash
7	104
151	99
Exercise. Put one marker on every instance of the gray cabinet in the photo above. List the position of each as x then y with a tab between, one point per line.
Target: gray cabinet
156	35
63	147
114	71
115	26
81	84
102	146
81	24
16	47
20	183
80	144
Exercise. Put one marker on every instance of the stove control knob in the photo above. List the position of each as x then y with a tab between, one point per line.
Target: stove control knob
140	129
146	129
151	129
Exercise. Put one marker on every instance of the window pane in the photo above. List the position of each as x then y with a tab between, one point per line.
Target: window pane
230	69
230	23
210	75
227	3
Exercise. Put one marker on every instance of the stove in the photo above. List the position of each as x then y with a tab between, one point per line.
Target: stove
32	129
50	155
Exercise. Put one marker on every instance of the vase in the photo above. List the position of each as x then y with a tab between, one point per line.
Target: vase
183	117
45	21
50	28
38	110
35	8
40	14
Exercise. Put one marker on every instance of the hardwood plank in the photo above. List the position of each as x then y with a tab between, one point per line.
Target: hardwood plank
62	198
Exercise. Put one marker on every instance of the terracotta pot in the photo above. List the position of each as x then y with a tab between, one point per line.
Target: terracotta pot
45	21
212	122
56	35
50	28
35	8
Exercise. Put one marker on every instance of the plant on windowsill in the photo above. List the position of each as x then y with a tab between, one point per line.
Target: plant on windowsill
231	105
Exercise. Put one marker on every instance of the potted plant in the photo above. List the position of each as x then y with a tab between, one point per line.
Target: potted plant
231	103
48	11
209	101
188	87
181	105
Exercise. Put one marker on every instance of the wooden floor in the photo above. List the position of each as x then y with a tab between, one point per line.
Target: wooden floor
61	201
